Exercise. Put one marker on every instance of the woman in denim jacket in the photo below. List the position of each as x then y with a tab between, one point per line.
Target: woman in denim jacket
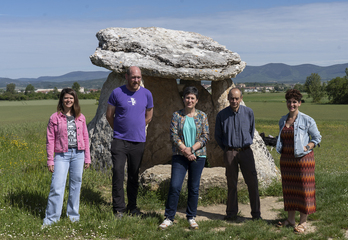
298	135
67	146
189	133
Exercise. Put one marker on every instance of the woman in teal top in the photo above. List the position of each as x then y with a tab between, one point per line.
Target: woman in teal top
189	133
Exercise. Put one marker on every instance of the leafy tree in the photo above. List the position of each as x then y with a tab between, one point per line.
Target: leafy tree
29	89
76	86
314	88
55	93
10	88
337	90
299	87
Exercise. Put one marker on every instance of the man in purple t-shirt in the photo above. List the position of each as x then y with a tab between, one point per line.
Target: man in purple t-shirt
130	109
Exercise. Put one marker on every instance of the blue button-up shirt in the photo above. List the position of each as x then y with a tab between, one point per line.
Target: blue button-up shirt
235	129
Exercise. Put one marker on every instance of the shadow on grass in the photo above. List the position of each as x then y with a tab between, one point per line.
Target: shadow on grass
158	216
33	202
90	196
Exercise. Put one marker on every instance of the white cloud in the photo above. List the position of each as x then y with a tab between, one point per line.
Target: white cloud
312	33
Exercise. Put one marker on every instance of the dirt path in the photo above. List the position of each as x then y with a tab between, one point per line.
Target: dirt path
270	207
269	210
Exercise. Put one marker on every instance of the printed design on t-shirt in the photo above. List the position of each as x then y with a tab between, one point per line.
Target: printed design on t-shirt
131	101
72	132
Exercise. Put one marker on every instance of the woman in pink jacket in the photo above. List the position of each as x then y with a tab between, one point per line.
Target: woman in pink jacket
67	148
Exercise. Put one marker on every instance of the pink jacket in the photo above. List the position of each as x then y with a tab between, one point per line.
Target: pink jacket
57	136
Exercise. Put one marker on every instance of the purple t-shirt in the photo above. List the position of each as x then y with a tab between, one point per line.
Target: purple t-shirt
129	122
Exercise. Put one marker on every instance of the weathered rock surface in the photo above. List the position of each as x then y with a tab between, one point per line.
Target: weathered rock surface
99	130
166	53
158	177
164	56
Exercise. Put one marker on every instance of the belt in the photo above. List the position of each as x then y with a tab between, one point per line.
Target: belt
238	149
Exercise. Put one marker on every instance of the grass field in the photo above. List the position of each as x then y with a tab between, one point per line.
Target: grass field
24	182
38	110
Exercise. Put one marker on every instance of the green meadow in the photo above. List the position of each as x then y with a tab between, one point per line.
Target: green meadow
25	182
38	110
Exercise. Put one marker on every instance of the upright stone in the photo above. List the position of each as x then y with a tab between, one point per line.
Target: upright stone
99	130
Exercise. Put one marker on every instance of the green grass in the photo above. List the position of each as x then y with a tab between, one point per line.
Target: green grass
38	110
25	181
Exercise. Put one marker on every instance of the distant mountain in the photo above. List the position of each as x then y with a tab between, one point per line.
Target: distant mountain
72	76
282	73
93	79
272	72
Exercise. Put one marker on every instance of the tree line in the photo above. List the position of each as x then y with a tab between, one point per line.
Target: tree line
336	89
29	93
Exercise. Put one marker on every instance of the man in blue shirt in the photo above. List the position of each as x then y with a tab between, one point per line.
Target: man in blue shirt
234	132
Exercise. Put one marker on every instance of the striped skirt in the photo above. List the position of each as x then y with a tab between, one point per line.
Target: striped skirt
298	180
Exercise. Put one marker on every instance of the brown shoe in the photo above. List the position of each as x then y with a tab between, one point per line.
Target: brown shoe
301	228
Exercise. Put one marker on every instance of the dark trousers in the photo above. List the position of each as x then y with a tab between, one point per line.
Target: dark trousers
121	151
181	165
245	159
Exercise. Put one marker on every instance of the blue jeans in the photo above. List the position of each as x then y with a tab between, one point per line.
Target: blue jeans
181	165
72	161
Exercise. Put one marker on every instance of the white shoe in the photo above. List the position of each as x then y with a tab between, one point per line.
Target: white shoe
193	224
166	223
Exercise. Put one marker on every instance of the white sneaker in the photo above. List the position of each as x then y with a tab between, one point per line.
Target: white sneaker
193	224
166	223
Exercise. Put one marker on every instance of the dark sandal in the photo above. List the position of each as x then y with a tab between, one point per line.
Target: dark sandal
300	228
286	223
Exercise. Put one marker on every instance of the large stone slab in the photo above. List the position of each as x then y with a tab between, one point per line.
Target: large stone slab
166	53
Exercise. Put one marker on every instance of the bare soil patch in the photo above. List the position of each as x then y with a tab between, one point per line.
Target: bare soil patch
270	207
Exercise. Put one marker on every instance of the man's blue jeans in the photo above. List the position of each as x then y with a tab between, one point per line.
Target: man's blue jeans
181	165
72	161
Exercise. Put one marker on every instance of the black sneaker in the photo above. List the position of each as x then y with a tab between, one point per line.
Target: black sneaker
135	212
257	218
231	218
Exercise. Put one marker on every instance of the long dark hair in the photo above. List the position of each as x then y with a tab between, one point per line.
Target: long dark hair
76	110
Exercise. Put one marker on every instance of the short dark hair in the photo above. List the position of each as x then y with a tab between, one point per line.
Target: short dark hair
293	93
191	90
76	110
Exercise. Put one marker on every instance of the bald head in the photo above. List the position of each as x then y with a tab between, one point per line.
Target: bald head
131	69
235	91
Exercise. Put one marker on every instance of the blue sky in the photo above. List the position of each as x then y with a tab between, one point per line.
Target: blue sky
51	38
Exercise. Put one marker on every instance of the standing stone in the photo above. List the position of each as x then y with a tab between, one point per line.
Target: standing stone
99	129
167	100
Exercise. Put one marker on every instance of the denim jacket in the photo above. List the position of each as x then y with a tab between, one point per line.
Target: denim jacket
57	136
176	131
305	131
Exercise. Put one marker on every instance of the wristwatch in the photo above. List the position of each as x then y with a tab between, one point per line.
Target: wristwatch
308	147
192	151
